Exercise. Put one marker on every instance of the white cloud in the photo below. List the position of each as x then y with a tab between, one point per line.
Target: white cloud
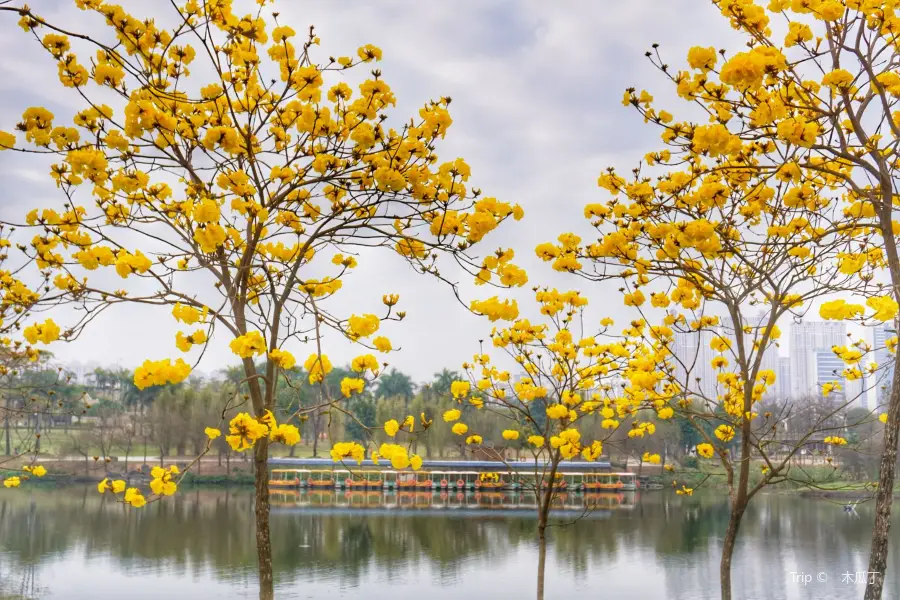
536	90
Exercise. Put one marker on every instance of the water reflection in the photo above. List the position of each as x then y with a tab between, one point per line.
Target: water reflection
73	543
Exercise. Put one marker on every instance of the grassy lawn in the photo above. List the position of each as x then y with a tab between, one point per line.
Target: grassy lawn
57	442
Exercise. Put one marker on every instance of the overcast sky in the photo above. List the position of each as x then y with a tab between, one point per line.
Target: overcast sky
536	89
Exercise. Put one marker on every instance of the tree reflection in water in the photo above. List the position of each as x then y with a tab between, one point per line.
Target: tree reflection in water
633	543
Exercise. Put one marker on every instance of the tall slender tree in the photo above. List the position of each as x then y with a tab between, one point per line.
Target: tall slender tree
232	179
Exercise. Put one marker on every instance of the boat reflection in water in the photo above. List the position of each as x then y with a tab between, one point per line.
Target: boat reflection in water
596	503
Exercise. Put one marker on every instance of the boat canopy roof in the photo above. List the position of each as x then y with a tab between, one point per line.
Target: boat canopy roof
448	465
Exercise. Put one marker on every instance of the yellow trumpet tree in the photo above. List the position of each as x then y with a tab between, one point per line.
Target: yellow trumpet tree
576	388
229	177
18	303
818	85
731	229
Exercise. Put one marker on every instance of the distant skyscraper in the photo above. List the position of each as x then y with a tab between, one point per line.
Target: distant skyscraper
693	362
757	324
808	338
829	369
784	378
883	377
83	373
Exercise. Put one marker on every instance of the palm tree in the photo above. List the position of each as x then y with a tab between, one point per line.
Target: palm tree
132	396
440	386
233	374
395	385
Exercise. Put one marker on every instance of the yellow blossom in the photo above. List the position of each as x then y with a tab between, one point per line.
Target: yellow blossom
248	345
343	450
244	430
391	427
725	432
286	434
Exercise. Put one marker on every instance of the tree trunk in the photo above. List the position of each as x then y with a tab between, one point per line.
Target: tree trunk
6	427
315	448
734	523
542	558
545	499
884	494
263	542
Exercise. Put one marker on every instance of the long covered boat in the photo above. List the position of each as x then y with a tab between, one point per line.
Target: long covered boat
576	476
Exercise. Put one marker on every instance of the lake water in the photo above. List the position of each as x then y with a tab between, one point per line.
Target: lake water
71	543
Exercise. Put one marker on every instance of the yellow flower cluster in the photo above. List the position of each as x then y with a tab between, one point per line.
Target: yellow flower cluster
160	372
248	345
162	483
45	332
459	389
132	497
839	310
724	432
495	309
653	459
557	411
399	457
536	440
592	452
391	427
188	314
284	433
318	366
282	358
350	386
567	442
243	431
186	342
362	326
366	362
343	450
36	470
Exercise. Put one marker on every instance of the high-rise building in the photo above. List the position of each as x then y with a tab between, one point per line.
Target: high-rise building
881	380
693	357
82	373
757	324
783	382
808	338
829	369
